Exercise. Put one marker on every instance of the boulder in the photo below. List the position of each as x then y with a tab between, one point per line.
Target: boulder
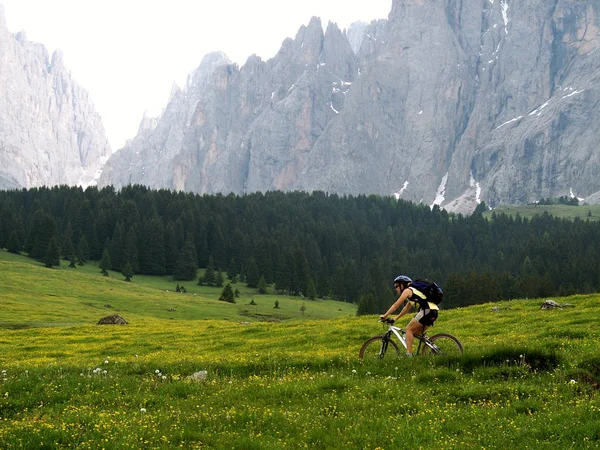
114	319
550	304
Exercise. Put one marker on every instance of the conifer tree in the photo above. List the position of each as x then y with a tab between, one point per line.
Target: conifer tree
42	230
262	285
366	305
127	271
130	250
68	249
152	252
232	269
83	250
187	263
219	279
209	275
311	290
105	263
72	262
96	248
252	275
52	257
14	245
227	294
116	247
173	253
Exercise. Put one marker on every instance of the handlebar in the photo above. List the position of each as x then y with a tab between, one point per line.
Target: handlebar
387	320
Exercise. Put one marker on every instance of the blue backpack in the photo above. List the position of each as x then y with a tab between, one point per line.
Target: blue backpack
431	289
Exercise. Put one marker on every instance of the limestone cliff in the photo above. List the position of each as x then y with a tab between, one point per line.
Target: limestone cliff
50	133
446	102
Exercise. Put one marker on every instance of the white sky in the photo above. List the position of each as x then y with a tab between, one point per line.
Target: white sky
128	53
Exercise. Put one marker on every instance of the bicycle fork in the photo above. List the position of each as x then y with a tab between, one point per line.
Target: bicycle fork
384	345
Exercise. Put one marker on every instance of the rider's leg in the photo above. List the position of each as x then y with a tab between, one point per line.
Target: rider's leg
414	327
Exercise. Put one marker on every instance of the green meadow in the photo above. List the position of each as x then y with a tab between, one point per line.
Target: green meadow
583	212
189	371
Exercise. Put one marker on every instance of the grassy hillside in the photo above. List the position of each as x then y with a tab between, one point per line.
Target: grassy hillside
35	296
530	378
584	212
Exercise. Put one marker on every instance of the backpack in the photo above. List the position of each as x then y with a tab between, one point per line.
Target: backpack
431	289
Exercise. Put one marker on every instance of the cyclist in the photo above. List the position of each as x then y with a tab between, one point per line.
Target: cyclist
427	311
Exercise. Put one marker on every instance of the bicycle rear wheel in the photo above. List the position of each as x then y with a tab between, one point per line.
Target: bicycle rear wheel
445	344
377	348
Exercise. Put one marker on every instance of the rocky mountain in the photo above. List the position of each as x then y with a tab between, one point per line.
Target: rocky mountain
446	102
50	133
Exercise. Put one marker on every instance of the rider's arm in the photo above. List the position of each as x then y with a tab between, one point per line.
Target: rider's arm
405	295
404	311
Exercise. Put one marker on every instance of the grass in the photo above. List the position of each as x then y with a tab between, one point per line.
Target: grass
530	378
36	296
583	212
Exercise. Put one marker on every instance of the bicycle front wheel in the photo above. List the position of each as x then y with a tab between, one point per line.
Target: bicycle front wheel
377	348
444	344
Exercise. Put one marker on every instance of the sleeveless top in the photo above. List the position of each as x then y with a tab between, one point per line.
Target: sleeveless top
419	300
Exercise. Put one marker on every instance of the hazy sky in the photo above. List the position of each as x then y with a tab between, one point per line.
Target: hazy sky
128	53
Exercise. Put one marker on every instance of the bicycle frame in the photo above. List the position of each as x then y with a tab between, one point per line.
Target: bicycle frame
400	333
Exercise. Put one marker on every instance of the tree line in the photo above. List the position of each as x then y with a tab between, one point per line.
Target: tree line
348	248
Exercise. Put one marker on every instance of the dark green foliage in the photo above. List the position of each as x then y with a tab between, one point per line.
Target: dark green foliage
262	285
187	263
52	256
252	275
83	250
227	294
209	275
43	229
14	244
130	250
311	290
219	279
116	247
68	249
564	200
127	271
232	269
72	262
366	305
315	245
105	263
152	247
377	289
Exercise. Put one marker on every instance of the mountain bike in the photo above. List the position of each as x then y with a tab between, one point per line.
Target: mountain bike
378	347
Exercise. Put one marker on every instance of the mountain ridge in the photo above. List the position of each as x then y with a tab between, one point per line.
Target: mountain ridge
50	133
446	103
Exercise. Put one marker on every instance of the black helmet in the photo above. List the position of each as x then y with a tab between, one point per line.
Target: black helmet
402	279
